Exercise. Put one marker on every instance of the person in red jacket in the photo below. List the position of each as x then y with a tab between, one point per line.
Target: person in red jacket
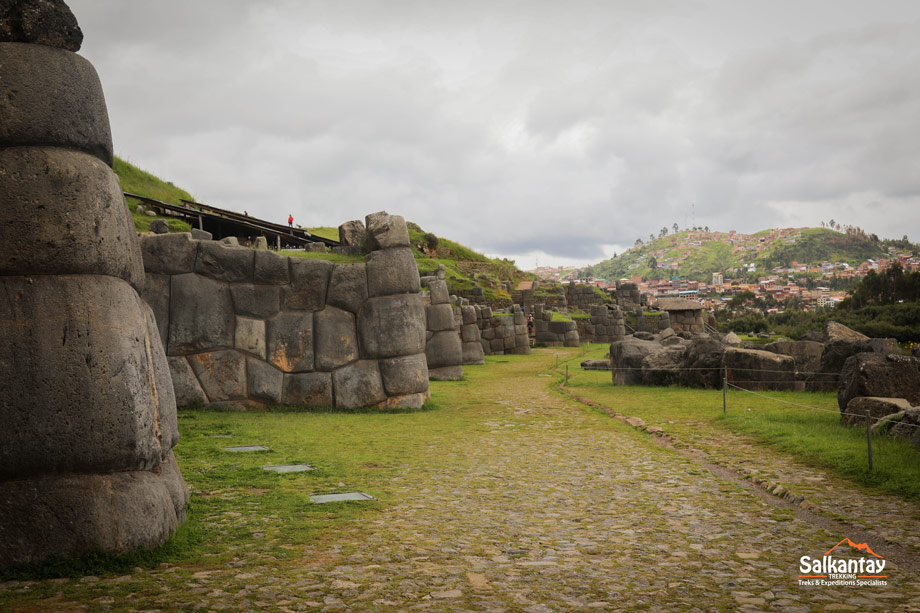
290	221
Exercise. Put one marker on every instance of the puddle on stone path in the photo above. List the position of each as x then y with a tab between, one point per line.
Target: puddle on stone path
344	496
289	468
245	448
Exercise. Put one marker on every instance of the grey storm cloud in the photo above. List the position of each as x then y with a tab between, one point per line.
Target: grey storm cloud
558	131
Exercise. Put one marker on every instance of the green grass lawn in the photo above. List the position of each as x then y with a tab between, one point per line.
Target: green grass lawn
813	435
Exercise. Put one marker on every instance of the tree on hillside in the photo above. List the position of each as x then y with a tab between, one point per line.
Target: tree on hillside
652	263
675	226
663	232
638	242
651	237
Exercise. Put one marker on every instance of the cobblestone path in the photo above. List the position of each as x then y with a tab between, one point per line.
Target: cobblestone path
548	506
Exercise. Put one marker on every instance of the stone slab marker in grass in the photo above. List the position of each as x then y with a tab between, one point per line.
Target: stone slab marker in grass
87	410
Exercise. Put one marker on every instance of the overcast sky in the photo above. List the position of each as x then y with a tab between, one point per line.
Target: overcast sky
551	131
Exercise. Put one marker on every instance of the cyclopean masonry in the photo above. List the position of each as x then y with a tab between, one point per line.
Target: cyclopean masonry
87	412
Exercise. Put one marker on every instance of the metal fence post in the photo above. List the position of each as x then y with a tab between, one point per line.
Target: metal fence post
724	390
869	438
566	374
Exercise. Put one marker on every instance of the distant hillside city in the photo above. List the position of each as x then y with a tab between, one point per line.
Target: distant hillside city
806	267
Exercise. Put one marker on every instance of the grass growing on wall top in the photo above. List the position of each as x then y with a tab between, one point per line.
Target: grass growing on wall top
143	183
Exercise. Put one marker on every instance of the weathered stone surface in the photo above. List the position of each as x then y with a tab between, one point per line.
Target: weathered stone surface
263	381
391	326
856	409
261	301
75	347
260	243
703	363
336	338
907	427
250	336
439	295
170	254
164	397
644	336
595	365
312	389
159	226
470	333
405	375
201	315
156	294
80	514
201	235
358	385
873	374
626	359
759	370
469	314
472	353
348	287
225	263
807	354
440	317
734	340
409	401
446	373
309	282
64	213
834	331
289	339
42	22
444	349
222	374
385	231
187	390
269	268
352	234
392	271
52	97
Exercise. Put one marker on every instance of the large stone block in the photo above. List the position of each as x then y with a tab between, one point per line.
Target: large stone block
391	326
78	386
440	317
222	374
385	231
309	282
408	401
269	268
250	336
392	271
201	315
352	234
43	22
290	341
336	338
858	407
759	370
224	262
348	287
446	373
52	97
444	349
312	389
260	301
264	382
877	375
169	254
64	213
439	294
469	314
358	385
405	375
472	353
187	390
163	389
470	333
156	294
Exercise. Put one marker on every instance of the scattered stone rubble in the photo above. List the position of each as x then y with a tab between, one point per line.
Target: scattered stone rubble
88	414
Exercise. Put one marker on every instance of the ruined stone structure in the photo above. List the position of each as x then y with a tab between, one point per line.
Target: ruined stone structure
470	336
627	296
685	315
554	333
501	334
87	412
652	321
523	296
582	297
606	325
246	328
443	348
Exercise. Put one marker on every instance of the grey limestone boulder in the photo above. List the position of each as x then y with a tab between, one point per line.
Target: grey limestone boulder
170	254
159	226
385	231
352	234
405	375
358	385
391	326
260	243
336	338
264	382
75	347
225	263
53	97
309	283
348	287
470	333
187	390
595	365
759	370
858	407
703	363
201	235
82	225
439	294
469	314
440	317
289	341
907	427
269	268
222	374
43	22
392	271
446	373
444	349
472	353
626	358
261	301
663	368
249	336
201	315
874	374
312	389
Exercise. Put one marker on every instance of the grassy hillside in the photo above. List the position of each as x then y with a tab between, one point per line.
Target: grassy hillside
696	255
142	183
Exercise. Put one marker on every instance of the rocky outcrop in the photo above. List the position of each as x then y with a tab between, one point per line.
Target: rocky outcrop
703	363
758	370
627	357
874	374
88	414
859	407
840	344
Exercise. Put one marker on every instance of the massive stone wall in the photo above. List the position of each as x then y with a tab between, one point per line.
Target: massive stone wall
582	297
553	333
87	412
501	334
247	328
606	325
443	348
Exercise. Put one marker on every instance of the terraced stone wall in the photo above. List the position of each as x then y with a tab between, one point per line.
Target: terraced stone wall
245	328
501	334
606	325
554	333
